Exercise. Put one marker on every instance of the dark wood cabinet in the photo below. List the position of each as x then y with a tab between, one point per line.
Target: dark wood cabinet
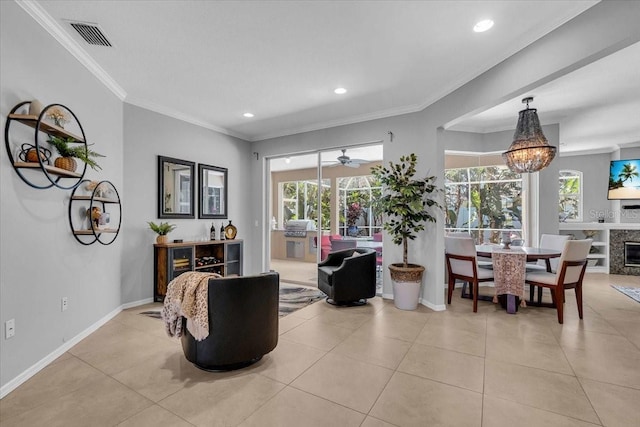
172	259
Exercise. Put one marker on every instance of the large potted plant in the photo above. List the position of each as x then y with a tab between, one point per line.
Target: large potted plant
409	204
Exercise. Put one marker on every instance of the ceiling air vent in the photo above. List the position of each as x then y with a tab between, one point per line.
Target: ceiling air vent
91	33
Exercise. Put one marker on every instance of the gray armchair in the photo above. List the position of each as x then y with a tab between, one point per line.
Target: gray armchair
348	277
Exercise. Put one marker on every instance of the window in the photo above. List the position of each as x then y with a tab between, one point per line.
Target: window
485	201
299	200
570	195
359	214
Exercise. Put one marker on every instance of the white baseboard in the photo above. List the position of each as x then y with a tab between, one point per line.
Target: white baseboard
136	303
45	361
434	307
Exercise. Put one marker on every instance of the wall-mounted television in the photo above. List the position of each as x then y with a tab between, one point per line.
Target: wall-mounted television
624	180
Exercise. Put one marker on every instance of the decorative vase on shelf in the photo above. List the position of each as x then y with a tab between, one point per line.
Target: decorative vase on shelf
230	231
67	163
352	231
162	239
35	108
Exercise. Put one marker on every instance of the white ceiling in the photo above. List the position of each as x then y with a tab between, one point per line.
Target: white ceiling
209	62
597	106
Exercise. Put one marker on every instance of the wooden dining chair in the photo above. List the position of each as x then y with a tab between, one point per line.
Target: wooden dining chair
462	264
547	241
572	265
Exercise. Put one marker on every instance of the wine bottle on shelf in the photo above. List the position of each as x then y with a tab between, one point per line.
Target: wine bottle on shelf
212	233
222	231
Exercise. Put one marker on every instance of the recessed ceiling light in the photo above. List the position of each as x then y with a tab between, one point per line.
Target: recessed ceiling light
483	26
340	91
248	115
287	160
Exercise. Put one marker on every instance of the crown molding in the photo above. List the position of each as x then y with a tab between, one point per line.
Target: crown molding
588	151
170	112
47	22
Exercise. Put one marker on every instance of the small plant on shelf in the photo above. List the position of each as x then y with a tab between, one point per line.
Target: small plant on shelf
68	152
162	230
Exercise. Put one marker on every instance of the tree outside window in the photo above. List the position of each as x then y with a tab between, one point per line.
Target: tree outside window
485	201
300	201
570	195
357	205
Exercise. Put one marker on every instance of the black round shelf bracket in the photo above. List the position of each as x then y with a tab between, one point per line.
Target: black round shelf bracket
97	235
54	180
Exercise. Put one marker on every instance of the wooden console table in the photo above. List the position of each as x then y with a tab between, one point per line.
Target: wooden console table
172	259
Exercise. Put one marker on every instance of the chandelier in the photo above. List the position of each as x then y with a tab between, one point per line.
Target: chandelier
529	151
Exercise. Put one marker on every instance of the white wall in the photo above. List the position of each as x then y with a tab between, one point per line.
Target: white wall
147	135
40	259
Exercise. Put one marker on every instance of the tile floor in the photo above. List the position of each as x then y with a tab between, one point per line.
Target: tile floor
370	366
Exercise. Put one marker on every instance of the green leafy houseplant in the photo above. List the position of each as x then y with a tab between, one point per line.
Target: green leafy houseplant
408	203
162	229
79	151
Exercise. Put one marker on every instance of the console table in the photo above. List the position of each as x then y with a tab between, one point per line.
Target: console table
172	259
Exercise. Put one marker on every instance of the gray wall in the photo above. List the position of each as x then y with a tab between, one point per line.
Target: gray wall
568	48
595	181
547	186
147	135
41	261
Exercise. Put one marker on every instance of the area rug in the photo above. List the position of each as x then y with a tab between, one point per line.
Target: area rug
292	298
630	292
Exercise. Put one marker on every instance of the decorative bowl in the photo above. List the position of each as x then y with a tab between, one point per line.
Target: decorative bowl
590	234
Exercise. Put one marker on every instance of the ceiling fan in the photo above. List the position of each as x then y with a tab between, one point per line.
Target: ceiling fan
347	161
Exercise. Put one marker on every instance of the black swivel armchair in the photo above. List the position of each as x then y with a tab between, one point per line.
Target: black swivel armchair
243	323
348	277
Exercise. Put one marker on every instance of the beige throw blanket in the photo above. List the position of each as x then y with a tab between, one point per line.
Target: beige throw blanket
187	296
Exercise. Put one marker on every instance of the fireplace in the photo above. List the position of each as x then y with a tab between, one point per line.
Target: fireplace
632	254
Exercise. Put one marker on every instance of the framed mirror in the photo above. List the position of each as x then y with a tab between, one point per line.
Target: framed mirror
176	188
212	190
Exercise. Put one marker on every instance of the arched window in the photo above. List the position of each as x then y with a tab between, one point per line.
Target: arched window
570	195
359	211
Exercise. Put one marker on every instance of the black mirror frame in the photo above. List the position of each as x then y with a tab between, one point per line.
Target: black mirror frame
192	166
201	214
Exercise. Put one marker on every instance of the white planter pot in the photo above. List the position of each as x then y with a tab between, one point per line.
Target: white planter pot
407	282
406	295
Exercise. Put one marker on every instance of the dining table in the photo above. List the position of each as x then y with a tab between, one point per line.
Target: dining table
510	268
532	253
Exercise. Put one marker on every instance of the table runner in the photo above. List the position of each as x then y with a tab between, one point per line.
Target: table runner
509	267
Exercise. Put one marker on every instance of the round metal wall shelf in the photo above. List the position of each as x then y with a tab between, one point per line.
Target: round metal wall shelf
103	196
55	176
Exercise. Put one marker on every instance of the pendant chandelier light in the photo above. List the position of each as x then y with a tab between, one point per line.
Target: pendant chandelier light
529	151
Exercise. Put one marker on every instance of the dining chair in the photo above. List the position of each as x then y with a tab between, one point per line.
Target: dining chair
462	264
573	263
547	241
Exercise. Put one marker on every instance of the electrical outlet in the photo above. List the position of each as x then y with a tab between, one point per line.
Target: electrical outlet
9	328
64	303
